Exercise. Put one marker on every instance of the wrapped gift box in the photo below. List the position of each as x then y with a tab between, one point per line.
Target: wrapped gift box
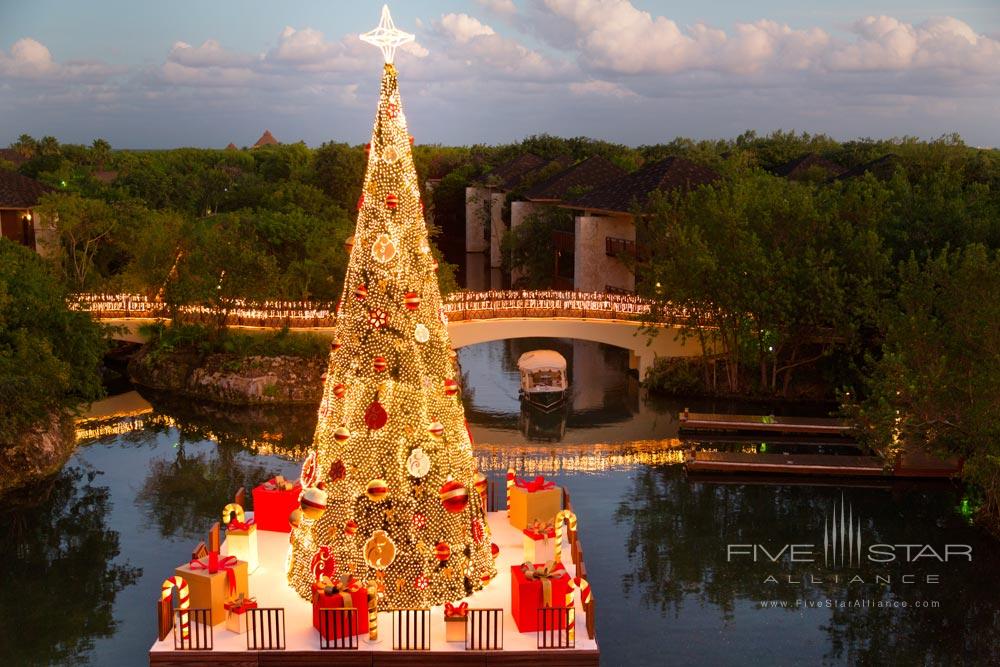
539	544
237	613
241	541
534	501
272	503
211	590
345	595
530	590
454	621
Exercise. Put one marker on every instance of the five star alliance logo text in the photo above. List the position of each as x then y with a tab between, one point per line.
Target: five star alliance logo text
842	537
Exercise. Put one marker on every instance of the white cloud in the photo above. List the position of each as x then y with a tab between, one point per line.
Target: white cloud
209	54
505	8
462	27
30	60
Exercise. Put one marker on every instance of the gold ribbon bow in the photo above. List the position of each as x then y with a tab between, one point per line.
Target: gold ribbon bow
545	574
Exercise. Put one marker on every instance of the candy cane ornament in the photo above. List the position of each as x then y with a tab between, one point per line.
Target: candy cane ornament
227	514
372	591
510	485
581	584
183	601
569	518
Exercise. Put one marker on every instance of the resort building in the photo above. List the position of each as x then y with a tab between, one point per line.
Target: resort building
19	221
604	226
266	139
573	181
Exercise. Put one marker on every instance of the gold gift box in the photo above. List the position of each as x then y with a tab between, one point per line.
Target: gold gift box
211	591
527	508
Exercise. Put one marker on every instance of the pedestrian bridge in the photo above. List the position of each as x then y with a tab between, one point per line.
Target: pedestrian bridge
621	320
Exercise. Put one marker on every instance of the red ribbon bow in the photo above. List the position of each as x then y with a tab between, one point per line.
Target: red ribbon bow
537	484
241	605
239	525
227	564
451	611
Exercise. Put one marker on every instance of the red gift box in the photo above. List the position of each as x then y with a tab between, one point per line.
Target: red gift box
338	596
546	586
272	505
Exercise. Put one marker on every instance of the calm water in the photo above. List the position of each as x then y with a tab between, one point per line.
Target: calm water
82	568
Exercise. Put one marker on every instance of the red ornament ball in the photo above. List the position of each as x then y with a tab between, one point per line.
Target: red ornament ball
411	300
368	148
341	434
377	490
442	551
350	527
436	429
391	201
450	387
313	502
339	390
380	364
376	416
480	483
360	292
361	201
334	345
494	549
349	243
454	496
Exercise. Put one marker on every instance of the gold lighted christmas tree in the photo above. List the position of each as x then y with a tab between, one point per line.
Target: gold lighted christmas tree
390	485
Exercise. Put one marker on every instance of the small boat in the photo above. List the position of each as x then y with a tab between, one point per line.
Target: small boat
543	378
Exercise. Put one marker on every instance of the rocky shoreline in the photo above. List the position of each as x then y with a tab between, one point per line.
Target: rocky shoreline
38	454
228	378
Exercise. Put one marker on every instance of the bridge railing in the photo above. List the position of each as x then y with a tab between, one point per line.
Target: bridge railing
458	306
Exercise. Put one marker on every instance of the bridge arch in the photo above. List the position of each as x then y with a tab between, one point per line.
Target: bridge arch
643	350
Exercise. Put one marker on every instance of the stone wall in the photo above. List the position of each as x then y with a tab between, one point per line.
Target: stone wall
226	378
594	271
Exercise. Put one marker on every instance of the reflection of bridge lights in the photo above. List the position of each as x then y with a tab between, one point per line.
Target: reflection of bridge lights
579	458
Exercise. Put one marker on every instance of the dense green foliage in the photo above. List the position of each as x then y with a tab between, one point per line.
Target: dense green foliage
531	247
205	340
937	379
49	356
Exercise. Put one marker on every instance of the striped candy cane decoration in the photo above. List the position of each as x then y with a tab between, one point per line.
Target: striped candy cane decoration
568	517
227	513
510	485
183	598
581	584
372	591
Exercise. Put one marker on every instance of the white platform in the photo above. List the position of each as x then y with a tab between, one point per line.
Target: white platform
269	586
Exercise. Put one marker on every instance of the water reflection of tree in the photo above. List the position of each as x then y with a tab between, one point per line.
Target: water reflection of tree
679	530
60	579
179	495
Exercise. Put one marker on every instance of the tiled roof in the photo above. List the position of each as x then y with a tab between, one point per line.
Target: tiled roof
12	155
593	172
797	168
621	195
882	168
266	139
17	191
232	146
510	173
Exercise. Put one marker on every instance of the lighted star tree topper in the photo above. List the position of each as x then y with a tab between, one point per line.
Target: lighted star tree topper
391	491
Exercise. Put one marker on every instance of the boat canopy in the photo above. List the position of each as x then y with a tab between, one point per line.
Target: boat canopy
541	360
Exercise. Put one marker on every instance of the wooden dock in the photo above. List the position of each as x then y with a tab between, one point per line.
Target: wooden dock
720	423
785	464
910	466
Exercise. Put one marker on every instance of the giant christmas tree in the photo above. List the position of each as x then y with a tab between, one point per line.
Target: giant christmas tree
389	486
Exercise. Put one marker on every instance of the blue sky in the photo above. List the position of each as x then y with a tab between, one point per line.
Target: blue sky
207	73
